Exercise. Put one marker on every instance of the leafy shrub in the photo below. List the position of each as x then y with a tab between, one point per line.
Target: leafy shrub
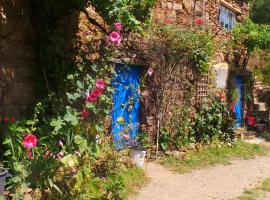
213	121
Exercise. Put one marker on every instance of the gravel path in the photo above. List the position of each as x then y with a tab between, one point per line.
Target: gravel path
218	182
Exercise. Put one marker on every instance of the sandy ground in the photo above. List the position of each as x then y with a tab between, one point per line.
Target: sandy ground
219	182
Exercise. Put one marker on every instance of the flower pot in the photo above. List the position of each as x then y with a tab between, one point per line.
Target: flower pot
3	175
138	156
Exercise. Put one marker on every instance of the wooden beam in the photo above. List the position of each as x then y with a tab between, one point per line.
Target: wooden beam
231	7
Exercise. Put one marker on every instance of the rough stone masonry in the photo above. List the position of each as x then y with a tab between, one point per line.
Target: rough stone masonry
17	57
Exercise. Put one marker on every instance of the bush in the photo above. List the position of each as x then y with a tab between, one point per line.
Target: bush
213	121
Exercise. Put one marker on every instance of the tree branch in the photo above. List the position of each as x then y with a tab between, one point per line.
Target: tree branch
93	21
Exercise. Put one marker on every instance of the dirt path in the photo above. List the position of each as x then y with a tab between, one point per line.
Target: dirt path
219	182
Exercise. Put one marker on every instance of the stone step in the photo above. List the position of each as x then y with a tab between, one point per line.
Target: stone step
248	135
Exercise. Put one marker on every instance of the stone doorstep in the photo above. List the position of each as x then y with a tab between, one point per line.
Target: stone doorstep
248	135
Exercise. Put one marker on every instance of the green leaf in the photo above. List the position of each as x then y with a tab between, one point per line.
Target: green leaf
57	124
71	116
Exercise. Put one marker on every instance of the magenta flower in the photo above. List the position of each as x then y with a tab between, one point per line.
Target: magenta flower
199	21
150	71
30	141
118	26
93	96
85	114
100	84
115	37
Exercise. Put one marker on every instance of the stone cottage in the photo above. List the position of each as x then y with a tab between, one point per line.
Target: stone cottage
19	39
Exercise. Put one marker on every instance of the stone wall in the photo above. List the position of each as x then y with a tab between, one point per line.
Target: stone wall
17	57
184	12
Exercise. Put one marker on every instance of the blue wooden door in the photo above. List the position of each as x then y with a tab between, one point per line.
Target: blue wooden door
239	103
125	113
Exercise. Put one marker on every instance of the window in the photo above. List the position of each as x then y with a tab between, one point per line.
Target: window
227	18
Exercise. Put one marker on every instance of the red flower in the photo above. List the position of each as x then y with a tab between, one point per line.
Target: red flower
6	119
199	21
12	119
251	121
232	107
222	96
85	114
30	141
168	21
93	96
30	155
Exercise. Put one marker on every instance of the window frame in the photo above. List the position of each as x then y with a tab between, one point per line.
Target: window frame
227	18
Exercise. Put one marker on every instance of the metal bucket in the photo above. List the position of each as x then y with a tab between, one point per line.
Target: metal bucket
138	156
3	175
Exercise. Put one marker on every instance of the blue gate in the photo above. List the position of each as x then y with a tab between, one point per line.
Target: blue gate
125	112
239	103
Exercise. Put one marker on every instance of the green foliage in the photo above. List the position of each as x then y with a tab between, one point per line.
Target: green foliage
260	11
143	139
177	44
130	12
263	73
216	153
212	122
179	132
251	36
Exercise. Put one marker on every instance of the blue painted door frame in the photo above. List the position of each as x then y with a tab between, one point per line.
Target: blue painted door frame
125	112
239	103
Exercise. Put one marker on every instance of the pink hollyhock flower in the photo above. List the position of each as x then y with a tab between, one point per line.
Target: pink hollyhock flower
85	114
115	37
150	71
199	21
30	141
118	26
100	84
90	97
93	96
30	155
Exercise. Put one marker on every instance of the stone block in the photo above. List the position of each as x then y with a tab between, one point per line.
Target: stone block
163	5
169	5
12	110
177	6
188	4
18	93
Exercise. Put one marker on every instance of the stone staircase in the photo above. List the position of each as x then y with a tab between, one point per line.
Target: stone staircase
260	105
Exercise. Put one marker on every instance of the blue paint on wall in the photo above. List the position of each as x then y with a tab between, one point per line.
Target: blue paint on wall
239	103
125	112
